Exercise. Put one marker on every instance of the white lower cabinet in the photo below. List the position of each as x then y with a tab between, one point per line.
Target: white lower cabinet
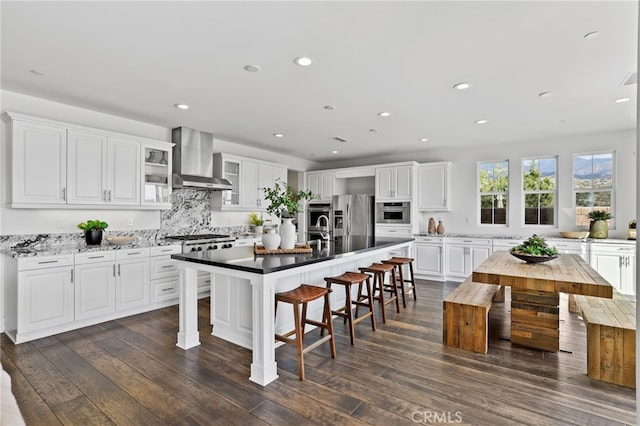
164	279
429	258
463	255
132	278
95	284
616	263
45	298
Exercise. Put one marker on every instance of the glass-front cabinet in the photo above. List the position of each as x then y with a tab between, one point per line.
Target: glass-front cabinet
156	175
231	172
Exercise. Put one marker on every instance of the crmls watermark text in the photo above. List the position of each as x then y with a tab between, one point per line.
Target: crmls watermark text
434	417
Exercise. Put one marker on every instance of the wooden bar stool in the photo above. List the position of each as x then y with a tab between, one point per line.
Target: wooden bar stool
301	296
399	262
378	270
347	279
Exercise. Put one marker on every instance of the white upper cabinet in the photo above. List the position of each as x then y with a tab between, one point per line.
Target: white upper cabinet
248	178
155	175
102	169
321	185
394	183
74	167
434	186
39	163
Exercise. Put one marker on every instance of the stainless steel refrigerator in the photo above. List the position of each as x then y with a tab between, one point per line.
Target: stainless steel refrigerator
353	215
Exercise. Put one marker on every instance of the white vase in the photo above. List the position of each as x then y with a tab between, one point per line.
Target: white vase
270	240
288	234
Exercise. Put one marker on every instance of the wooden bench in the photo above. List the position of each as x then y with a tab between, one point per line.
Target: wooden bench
611	338
465	317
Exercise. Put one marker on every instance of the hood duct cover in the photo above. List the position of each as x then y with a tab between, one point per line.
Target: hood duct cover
193	161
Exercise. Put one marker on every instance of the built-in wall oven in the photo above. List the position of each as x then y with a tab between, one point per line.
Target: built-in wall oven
393	212
319	221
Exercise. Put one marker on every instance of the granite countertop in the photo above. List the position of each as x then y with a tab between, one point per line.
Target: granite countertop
520	237
243	258
45	250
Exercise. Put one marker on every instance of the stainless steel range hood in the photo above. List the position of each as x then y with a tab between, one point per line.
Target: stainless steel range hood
193	161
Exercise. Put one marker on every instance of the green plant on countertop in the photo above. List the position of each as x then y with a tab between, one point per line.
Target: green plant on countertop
535	246
599	215
284	200
93	225
255	220
632	224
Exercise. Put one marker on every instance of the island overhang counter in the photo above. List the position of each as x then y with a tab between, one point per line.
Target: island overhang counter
243	288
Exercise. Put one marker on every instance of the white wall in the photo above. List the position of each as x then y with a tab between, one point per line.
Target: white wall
29	221
464	183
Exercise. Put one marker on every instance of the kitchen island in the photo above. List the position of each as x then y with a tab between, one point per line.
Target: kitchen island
243	288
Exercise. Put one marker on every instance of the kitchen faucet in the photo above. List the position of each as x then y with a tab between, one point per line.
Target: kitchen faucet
323	235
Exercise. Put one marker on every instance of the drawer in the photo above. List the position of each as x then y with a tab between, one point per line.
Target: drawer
392	231
161	250
470	241
40	262
95	257
247	241
429	240
162	267
204	282
164	289
613	248
132	253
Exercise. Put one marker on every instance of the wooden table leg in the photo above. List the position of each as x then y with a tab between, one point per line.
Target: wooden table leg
535	319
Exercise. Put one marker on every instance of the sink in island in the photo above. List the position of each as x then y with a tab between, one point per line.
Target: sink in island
243	288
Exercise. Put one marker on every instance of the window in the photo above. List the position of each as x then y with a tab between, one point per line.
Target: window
494	185
592	185
539	183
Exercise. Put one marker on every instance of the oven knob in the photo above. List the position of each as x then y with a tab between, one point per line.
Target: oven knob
215	247
199	248
228	246
210	248
193	249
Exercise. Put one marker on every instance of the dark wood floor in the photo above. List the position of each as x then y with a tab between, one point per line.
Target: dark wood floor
129	372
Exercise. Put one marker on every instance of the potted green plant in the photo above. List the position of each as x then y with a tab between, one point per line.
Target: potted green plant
284	204
93	231
257	222
598	227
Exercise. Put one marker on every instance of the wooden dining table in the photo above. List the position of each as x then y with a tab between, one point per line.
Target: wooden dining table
535	293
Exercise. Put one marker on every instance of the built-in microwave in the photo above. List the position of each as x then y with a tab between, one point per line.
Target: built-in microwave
393	212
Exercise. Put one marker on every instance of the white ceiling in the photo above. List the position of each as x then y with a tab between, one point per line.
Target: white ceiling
138	59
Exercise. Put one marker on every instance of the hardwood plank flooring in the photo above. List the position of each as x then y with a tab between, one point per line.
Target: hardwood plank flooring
129	372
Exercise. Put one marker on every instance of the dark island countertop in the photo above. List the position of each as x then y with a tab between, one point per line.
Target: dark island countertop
243	258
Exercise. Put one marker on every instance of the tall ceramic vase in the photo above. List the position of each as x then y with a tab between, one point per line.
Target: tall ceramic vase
288	234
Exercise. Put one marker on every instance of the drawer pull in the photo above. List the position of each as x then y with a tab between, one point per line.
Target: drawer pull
48	261
166	250
167	289
467	241
96	257
131	254
168	266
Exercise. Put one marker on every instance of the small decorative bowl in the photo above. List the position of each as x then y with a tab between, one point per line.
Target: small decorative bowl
574	234
120	240
530	258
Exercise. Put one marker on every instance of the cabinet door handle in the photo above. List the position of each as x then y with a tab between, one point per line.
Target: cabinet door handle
627	261
109	196
444	202
118	269
621	261
72	275
64	194
114	269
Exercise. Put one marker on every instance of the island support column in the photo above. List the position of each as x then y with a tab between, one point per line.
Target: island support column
188	336
264	369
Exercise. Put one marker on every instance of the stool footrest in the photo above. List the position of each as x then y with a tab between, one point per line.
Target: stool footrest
316	344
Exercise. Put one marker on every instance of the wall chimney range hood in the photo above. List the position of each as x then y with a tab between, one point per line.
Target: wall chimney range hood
193	161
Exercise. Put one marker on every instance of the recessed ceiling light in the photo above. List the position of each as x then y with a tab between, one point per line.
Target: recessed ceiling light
303	61
373	130
252	68
35	72
279	135
545	94
182	106
329	107
592	34
424	140
482	121
461	86
334	152
384	114
622	100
